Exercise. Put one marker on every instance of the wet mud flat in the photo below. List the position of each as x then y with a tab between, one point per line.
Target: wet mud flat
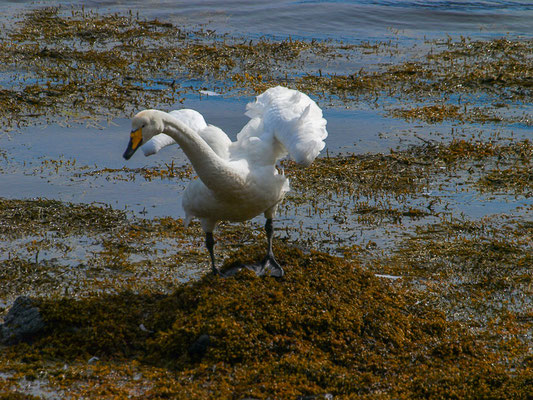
395	288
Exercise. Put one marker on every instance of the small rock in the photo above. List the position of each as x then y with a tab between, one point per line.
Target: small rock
22	322
198	349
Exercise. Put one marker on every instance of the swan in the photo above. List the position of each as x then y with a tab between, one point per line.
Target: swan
237	180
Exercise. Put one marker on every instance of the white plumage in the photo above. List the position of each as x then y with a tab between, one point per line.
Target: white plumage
238	180
292	118
193	119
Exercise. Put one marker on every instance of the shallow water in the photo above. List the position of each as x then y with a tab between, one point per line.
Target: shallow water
351	21
47	161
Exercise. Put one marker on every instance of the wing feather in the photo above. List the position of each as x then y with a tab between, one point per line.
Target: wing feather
193	119
293	119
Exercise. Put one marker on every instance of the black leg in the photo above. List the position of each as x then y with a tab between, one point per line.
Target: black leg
269	262
269	229
268	266
209	243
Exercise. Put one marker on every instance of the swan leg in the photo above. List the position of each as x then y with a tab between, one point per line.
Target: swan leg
269	262
210	243
268	266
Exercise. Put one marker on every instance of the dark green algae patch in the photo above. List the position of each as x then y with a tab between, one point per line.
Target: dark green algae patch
328	327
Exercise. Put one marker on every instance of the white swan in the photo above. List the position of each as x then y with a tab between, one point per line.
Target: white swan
238	180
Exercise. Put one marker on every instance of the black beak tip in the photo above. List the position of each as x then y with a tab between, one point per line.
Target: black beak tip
130	150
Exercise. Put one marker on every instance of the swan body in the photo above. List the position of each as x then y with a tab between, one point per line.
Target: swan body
237	180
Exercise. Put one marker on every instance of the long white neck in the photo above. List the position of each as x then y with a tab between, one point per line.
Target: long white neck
210	168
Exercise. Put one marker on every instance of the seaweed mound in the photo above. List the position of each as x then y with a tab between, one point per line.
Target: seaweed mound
327	328
329	311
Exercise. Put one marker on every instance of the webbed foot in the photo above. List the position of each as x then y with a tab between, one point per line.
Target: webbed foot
267	267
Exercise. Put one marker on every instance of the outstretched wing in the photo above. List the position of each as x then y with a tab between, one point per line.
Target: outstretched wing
157	143
193	119
292	118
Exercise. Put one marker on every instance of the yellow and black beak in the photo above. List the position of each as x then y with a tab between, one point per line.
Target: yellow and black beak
136	139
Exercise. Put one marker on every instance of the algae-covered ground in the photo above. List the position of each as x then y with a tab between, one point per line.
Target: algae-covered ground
396	287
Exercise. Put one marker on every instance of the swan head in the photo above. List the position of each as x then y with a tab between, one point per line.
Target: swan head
144	126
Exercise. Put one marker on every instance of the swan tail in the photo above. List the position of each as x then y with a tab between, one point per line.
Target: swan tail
293	119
